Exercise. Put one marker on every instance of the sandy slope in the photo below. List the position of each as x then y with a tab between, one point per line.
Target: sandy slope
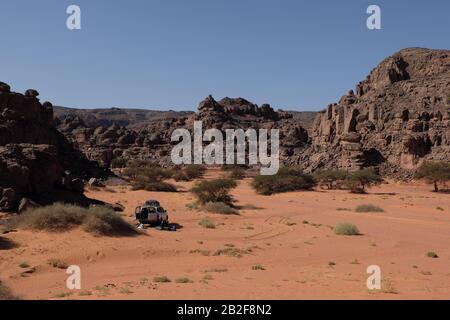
271	231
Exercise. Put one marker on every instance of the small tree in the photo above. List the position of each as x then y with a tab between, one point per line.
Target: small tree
331	178
358	181
217	190
287	179
434	173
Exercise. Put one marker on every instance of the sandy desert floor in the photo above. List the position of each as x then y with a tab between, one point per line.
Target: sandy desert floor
289	235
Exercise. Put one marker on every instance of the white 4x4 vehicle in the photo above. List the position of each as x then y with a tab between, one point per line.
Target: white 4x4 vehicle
152	215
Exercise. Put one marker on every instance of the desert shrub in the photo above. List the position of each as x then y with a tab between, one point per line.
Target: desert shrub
368	208
118	163
214	191
182	280
236	171
434	173
359	180
54	218
432	254
101	221
161	279
192	205
346	229
258	267
98	220
332	179
231	252
147	184
189	173
287	179
219	207
206	223
5	293
194	171
148	176
57	263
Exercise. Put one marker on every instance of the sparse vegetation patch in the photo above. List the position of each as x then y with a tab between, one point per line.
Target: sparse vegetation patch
97	220
217	190
346	229
368	208
287	179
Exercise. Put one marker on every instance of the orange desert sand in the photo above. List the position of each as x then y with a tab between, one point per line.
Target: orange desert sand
300	260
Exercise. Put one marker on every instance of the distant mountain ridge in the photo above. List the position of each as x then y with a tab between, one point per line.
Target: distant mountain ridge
139	118
106	117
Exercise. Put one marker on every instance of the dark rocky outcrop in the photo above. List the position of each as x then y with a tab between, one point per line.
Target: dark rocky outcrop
34	157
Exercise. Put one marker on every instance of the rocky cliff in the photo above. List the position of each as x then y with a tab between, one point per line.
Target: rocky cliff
34	157
396	118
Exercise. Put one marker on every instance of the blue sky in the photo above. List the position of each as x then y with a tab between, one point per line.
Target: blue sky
160	54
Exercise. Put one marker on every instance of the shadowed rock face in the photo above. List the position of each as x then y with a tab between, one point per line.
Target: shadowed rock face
34	157
398	117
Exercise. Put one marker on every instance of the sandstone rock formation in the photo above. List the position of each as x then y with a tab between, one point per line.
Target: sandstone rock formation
153	141
34	157
398	117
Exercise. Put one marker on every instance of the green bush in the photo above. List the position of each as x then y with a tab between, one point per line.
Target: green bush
194	171
149	177
147	184
432	254
358	181
220	207
98	220
189	173
287	179
214	191
162	279
236	172
206	223
368	208
332	179
434	173
183	280
57	263
346	229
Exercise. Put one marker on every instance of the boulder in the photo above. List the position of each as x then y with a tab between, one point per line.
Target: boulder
31	93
